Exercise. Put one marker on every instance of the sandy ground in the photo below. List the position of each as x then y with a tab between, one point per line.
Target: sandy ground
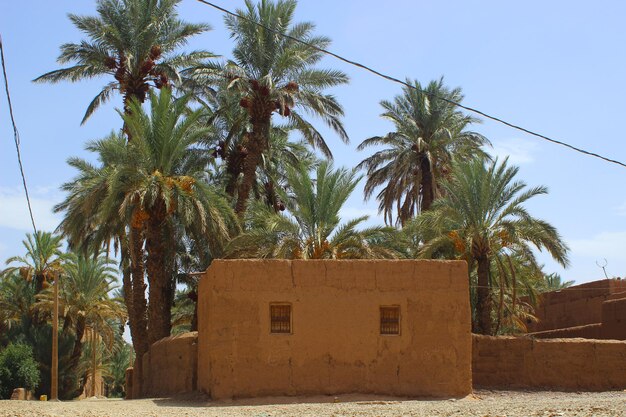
481	403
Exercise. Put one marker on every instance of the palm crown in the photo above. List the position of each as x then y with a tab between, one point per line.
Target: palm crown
314	231
271	74
481	216
429	134
135	41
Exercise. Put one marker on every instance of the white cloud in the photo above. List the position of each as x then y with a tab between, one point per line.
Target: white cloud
609	245
621	210
14	210
519	151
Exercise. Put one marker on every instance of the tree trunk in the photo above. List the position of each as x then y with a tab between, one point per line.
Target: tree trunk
159	307
483	305
427	185
256	145
78	343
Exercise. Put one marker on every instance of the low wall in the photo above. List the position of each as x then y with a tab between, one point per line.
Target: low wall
170	366
555	364
576	306
614	319
335	345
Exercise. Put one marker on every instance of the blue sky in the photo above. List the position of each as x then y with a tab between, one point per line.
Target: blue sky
555	67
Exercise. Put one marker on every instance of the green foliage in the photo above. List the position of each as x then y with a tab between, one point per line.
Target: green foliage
18	369
134	41
313	231
482	219
430	135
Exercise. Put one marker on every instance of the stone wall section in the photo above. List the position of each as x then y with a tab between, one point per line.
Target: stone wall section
555	364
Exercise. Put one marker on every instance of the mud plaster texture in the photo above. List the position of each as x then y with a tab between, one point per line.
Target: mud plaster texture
577	306
335	345
555	364
170	366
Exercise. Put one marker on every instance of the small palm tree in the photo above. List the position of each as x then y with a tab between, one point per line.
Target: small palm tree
313	230
430	134
553	282
84	300
43	260
274	74
481	217
135	42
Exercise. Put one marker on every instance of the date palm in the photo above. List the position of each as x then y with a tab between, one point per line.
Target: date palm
85	301
154	183
43	259
272	74
430	134
482	216
313	229
136	42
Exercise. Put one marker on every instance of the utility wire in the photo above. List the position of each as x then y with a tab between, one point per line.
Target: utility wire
16	137
398	81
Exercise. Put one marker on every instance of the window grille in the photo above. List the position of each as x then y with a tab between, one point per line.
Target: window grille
390	320
280	318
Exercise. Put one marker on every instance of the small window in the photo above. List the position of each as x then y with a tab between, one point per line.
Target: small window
390	320
280	318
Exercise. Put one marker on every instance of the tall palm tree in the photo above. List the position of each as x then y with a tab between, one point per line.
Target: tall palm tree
153	183
430	134
134	41
274	74
482	216
313	229
43	259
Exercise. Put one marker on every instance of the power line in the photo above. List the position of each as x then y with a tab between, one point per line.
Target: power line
16	137
398	81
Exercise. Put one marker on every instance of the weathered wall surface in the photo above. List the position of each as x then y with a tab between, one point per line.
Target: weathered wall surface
170	366
335	346
614	318
559	364
576	306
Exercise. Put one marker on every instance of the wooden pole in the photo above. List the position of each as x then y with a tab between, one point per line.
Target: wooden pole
93	361
54	386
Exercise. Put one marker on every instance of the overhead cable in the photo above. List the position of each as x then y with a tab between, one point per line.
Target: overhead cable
398	81
16	137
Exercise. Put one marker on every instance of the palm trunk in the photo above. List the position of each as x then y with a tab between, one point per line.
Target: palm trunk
483	306
427	185
159	308
256	146
137	314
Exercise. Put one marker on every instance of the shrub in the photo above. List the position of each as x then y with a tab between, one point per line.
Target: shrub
18	369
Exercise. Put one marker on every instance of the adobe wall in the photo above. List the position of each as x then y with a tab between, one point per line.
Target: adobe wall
555	364
170	366
575	306
335	345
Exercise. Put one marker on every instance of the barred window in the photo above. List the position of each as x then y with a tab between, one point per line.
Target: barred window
280	318
390	320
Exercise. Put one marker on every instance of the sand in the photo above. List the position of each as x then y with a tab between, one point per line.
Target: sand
481	403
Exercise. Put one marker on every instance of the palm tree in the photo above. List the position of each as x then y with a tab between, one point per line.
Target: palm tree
481	217
430	134
135	42
152	184
43	260
274	74
553	282
85	301
88	228
313	230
